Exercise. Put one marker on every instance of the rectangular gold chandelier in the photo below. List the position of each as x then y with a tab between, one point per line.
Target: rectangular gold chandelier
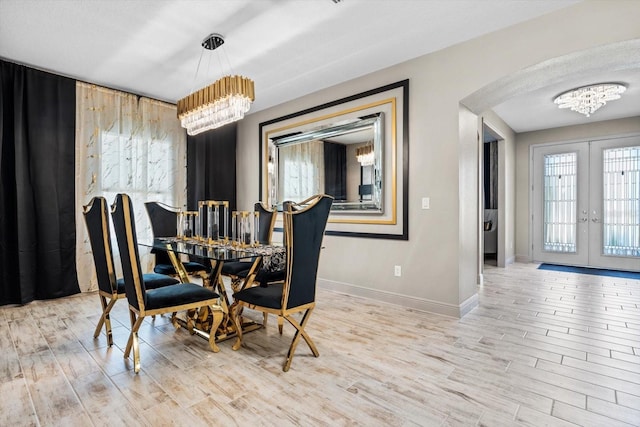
224	101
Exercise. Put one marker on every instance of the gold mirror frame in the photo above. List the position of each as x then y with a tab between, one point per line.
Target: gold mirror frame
385	218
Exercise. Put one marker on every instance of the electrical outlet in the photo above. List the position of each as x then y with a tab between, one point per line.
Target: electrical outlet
425	203
397	271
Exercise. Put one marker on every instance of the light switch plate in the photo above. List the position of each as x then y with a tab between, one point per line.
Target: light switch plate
425	203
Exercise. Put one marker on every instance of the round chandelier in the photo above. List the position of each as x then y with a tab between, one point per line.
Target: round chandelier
587	99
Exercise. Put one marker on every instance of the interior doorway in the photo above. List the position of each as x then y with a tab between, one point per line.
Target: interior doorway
492	197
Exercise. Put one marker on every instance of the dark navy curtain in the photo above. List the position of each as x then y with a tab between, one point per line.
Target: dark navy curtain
37	192
335	170
491	175
211	167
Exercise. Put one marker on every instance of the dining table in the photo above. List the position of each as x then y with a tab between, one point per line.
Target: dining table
266	257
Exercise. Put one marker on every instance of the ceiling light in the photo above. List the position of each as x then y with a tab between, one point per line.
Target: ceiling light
587	99
224	101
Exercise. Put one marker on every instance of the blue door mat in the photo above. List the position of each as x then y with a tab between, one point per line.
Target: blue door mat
593	271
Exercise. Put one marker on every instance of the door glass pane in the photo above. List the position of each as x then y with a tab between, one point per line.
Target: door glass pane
621	194
560	207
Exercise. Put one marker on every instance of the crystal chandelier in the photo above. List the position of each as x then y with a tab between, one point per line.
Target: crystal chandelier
365	155
224	101
587	99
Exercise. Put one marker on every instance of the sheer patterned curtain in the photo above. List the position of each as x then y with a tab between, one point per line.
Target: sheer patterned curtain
130	145
301	170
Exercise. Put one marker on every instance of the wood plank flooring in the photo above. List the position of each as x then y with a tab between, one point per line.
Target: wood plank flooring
542	348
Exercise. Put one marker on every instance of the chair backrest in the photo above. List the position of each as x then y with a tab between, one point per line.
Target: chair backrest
267	223
164	219
288	205
96	219
164	223
304	230
125	227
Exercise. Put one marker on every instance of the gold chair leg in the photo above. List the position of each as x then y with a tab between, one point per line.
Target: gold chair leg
135	325
280	324
299	332
103	302
136	353
134	342
132	320
105	320
265	316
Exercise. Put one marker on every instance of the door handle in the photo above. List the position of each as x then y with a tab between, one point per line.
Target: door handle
584	216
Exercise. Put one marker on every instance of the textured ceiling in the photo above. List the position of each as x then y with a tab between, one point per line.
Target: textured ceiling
288	47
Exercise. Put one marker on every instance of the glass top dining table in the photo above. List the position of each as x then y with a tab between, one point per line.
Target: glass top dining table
215	251
269	257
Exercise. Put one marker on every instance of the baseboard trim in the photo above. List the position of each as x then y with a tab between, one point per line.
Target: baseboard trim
423	304
468	305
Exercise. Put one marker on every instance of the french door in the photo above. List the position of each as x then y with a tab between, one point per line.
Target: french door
586	203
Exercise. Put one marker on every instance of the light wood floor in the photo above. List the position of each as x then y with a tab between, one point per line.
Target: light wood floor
542	348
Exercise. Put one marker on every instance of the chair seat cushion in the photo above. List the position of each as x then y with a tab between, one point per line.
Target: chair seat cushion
269	296
151	281
181	293
191	267
235	267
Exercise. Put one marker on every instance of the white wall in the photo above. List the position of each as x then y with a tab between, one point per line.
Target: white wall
597	130
439	262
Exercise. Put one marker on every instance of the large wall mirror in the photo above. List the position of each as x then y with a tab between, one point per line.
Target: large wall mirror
354	149
343	159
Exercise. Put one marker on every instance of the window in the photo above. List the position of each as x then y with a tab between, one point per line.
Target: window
140	169
301	171
125	144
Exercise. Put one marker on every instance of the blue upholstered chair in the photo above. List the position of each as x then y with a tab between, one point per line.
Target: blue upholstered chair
168	299
238	270
164	223
303	233
110	289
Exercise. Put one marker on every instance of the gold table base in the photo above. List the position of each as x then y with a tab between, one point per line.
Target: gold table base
198	322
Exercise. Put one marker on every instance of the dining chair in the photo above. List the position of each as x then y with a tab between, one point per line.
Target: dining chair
237	271
110	289
303	233
266	277
168	299
164	223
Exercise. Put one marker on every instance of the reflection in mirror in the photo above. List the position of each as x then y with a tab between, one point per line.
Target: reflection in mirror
343	159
